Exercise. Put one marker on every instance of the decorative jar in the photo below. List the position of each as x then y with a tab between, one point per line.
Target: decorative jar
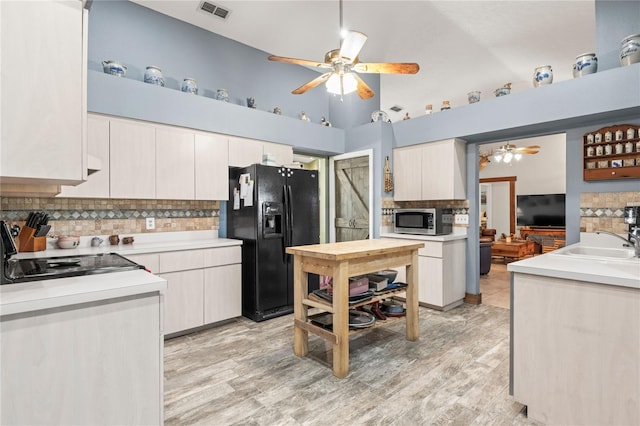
153	75
251	103
608	149
598	137
628	147
619	148
189	85
222	95
619	135
630	50
608	137
114	68
277	110
473	96
587	63
428	109
590	138
445	106
630	132
542	75
502	91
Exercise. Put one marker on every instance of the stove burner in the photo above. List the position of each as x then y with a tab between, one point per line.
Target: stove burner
45	268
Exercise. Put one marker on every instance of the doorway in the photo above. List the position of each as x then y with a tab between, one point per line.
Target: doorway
351	196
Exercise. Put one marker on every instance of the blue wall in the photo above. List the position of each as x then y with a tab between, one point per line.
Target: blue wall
138	37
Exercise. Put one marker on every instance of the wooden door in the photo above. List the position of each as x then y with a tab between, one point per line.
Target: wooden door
352	199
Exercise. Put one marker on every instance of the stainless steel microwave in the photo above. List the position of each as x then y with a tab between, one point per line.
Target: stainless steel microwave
433	221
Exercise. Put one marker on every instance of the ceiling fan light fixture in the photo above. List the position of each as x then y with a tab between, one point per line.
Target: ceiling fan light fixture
507	157
518	156
498	158
341	86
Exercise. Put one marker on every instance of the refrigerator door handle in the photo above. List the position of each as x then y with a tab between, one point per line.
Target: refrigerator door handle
290	213
285	231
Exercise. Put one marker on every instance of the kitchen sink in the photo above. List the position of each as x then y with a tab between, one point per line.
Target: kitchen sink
601	253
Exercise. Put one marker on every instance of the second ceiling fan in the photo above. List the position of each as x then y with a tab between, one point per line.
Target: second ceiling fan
343	65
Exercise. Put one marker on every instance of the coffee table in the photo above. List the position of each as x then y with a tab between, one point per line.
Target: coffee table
514	249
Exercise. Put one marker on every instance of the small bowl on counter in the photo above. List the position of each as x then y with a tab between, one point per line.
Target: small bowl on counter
68	241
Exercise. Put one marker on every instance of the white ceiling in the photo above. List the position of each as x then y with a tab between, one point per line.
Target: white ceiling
460	45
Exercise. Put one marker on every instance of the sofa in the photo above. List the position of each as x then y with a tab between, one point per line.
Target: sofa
487	237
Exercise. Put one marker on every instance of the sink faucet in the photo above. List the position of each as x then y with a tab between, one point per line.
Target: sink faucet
633	241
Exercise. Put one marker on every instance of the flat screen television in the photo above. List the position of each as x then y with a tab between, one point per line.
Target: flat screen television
541	210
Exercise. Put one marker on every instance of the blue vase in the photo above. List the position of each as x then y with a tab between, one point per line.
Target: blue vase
189	85
153	75
542	75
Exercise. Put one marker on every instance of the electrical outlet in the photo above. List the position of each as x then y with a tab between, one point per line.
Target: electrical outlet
462	219
151	223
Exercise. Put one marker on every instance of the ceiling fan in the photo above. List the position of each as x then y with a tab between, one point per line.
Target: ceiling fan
506	153
341	63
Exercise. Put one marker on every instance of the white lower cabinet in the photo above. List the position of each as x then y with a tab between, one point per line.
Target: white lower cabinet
441	272
222	296
90	363
183	300
203	286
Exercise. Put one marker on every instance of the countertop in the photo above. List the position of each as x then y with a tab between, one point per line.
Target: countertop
457	234
143	244
624	273
46	294
352	249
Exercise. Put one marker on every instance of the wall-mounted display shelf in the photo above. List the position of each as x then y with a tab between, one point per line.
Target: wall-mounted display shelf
611	153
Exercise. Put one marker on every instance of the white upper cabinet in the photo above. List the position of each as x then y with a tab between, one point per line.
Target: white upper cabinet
244	152
430	171
443	170
97	184
281	154
211	167
175	169
407	173
43	92
132	152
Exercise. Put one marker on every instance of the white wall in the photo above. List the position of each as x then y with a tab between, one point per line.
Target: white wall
541	173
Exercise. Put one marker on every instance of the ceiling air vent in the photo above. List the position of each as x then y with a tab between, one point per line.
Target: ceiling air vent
214	10
396	108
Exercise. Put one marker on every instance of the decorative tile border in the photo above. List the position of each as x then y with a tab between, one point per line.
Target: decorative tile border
601	212
111	214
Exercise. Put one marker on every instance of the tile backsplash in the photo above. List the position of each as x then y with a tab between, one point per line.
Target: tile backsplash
88	216
389	205
604	211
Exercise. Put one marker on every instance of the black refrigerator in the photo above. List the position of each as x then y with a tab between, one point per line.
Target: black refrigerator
271	208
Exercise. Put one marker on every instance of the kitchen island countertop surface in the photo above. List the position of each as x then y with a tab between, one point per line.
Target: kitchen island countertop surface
625	273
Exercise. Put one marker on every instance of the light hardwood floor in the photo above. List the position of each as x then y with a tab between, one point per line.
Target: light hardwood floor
245	373
495	286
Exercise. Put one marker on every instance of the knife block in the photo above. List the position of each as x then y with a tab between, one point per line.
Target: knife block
27	241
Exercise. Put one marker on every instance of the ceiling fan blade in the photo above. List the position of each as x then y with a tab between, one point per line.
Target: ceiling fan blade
299	61
526	151
313	83
387	68
363	90
352	44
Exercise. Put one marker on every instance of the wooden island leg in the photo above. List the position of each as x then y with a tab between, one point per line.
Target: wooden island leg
300	290
413	332
341	320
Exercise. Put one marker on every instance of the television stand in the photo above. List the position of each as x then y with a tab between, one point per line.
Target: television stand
542	234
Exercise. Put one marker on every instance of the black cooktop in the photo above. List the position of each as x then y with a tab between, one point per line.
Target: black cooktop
45	268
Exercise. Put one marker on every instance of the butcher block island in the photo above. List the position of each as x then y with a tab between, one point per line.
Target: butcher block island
341	261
